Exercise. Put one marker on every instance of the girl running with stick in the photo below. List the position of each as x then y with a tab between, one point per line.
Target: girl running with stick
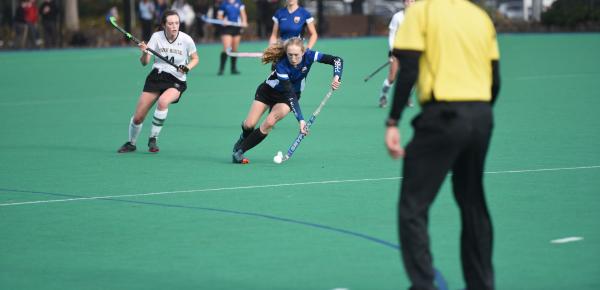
165	84
281	91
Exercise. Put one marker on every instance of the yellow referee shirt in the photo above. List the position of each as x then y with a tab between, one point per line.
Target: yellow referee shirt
458	42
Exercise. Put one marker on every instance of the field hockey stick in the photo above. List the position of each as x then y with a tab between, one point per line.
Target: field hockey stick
113	21
280	157
243	54
377	70
220	22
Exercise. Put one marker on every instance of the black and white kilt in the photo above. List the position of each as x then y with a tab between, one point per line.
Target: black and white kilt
231	30
269	96
160	82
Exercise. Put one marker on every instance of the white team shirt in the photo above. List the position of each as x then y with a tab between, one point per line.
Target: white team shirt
397	20
177	51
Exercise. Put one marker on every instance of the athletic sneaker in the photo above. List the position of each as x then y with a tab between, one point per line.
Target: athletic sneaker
127	147
382	102
238	157
235	72
237	146
220	73
152	147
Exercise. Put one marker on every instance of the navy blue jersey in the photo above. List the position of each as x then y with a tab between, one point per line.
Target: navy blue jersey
292	24
289	80
284	70
231	10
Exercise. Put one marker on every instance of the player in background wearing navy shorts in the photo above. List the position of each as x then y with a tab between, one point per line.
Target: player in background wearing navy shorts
231	11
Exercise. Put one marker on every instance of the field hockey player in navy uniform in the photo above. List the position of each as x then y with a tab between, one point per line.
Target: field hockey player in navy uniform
234	12
165	83
290	21
281	91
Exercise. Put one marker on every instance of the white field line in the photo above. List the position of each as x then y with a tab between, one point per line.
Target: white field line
558	76
270	186
566	240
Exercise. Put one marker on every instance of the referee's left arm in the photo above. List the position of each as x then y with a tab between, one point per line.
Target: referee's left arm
409	71
495	80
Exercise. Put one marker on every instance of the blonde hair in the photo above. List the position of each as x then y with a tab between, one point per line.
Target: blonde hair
277	50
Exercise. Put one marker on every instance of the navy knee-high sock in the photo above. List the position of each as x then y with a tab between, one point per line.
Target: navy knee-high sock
223	60
233	63
246	131
253	139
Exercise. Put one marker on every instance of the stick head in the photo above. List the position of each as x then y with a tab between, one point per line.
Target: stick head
113	22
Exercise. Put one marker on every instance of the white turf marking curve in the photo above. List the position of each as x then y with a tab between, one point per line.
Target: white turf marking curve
566	240
270	186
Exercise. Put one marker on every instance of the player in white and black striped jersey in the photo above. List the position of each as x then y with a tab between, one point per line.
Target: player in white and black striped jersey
395	23
165	84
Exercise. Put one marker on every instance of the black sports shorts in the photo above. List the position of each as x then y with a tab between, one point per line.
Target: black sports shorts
160	82
269	96
231	30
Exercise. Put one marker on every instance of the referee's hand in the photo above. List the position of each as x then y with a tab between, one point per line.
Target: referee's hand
392	142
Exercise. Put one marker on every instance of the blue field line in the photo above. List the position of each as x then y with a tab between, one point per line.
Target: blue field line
439	278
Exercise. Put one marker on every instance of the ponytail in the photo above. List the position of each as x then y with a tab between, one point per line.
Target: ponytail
273	53
276	51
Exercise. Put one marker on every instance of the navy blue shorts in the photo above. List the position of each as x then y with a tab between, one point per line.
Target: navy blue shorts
231	30
269	96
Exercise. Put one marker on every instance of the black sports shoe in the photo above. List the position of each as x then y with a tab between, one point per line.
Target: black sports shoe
235	72
127	147
237	146
152	147
382	102
238	157
220	73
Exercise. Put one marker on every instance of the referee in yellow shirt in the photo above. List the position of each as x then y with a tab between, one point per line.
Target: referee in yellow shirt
450	47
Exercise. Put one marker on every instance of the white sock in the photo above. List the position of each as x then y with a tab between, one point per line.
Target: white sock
385	88
134	131
158	121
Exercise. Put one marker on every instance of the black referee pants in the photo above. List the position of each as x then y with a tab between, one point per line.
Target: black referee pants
448	137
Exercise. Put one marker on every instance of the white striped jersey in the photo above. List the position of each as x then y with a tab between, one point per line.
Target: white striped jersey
177	52
397	20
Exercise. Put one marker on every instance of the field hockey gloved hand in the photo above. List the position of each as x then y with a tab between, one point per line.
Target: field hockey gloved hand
183	68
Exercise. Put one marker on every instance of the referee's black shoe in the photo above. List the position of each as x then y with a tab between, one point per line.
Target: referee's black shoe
152	147
127	147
